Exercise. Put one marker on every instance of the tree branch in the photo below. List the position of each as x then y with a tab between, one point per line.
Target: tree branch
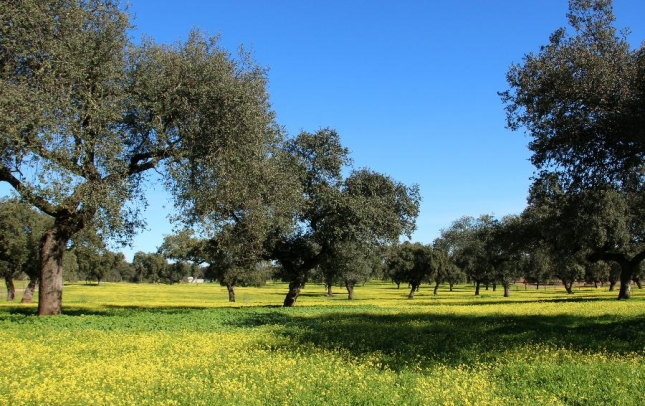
25	193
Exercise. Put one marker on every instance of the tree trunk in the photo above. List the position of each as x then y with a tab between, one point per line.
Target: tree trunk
568	286
638	283
494	286
451	285
50	292
625	291
612	285
350	290
507	289
476	288
231	292
11	287
294	291
330	292
28	295
398	285
414	288
436	288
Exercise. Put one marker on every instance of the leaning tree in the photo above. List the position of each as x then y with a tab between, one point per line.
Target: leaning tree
86	115
580	99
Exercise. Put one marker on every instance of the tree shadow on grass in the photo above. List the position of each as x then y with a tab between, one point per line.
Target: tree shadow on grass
405	339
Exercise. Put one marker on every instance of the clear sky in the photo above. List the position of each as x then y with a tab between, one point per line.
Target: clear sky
411	86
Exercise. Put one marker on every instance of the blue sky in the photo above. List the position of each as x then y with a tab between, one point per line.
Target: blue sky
411	86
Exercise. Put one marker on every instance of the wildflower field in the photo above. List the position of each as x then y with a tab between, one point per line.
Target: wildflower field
185	344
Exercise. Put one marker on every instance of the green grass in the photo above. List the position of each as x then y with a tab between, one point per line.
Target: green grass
185	344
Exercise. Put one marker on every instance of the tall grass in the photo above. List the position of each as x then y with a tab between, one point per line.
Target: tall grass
185	344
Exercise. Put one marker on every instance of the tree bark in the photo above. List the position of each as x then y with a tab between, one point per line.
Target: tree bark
507	289
294	291
11	287
451	285
414	288
231	292
350	290
625	291
50	292
436	288
330	291
612	285
476	288
568	286
638	283
494	286
28	295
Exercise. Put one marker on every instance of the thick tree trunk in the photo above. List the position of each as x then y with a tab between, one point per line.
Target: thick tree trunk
28	295
350	290
568	286
50	292
436	288
11	287
231	292
507	289
612	285
330	291
294	291
476	288
625	291
414	288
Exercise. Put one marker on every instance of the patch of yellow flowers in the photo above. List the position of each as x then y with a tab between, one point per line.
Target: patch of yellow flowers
256	366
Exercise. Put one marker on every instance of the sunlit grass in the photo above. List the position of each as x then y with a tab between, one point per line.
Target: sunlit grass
186	344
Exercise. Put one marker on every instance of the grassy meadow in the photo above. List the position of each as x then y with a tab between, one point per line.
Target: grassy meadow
185	344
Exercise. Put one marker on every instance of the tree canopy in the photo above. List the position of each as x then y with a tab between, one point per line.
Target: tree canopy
85	114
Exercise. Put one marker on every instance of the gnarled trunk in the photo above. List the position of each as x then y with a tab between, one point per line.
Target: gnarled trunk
436	288
28	295
231	292
350	290
11	287
638	283
294	290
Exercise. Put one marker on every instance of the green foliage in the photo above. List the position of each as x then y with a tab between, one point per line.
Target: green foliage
335	216
21	229
580	99
85	113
